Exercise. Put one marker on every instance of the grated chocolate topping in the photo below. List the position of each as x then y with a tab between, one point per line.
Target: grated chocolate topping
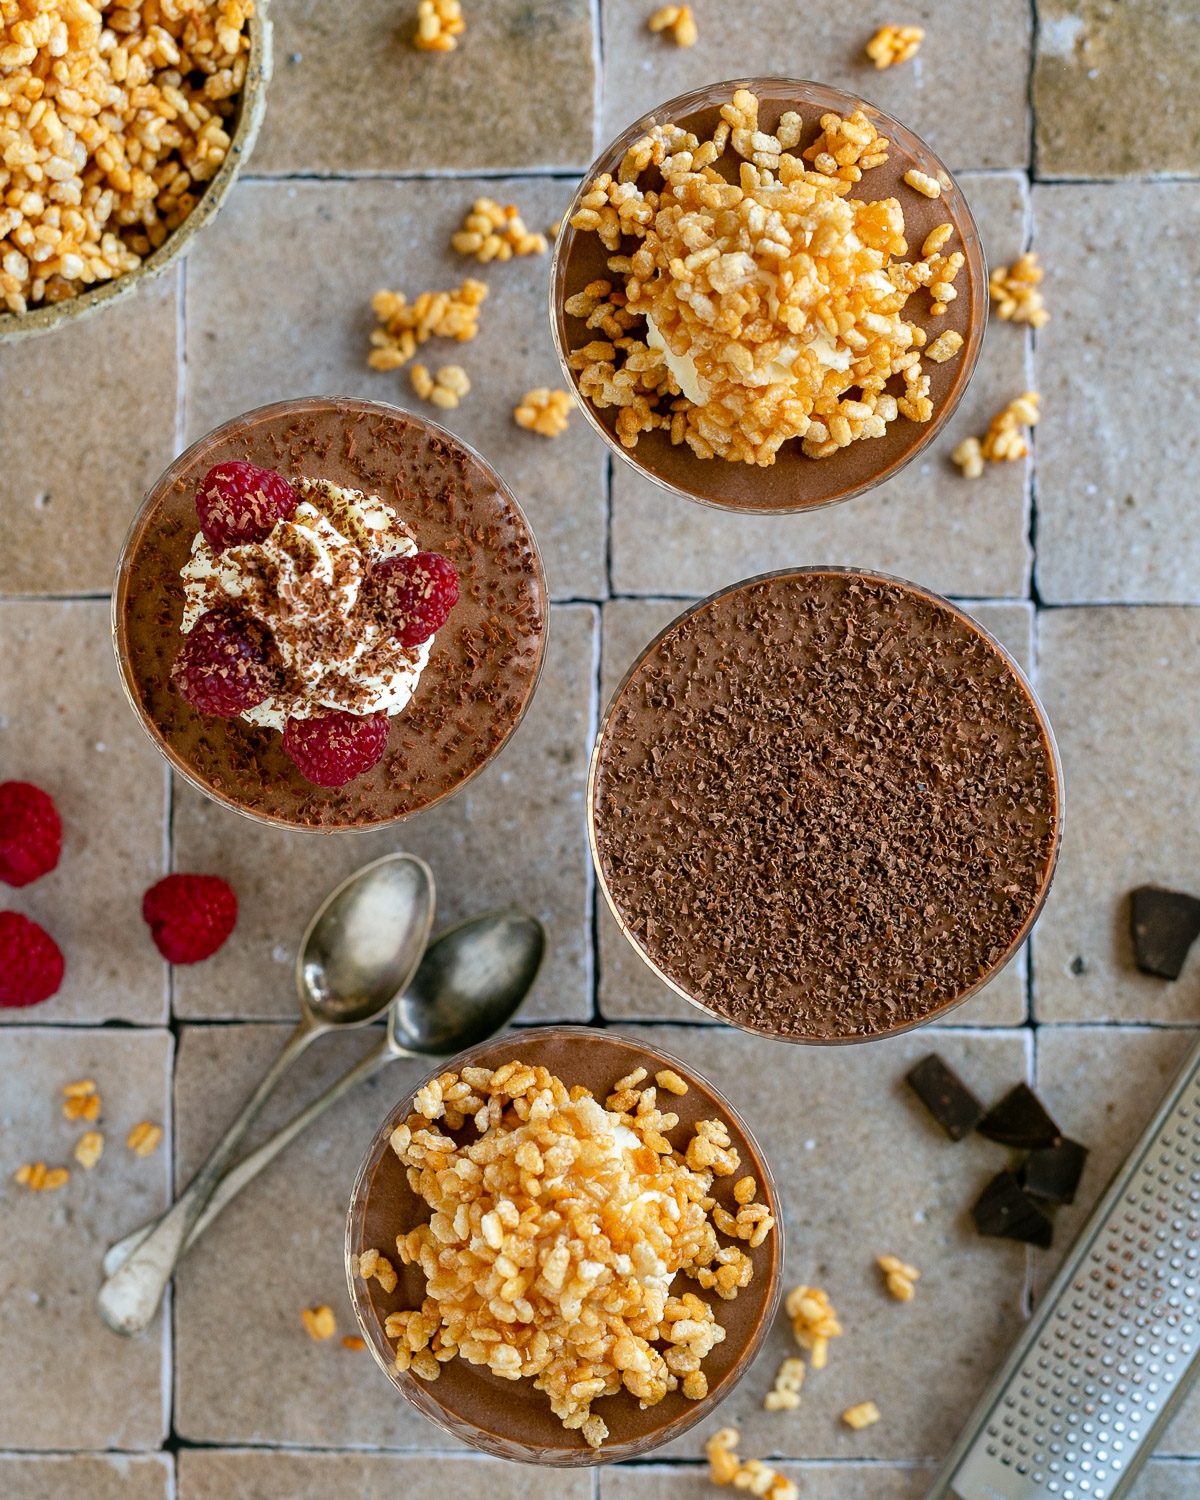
825	805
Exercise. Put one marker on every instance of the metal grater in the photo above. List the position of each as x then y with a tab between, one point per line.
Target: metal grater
1112	1347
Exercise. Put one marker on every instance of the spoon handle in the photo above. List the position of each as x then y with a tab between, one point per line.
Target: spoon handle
250	1166
129	1298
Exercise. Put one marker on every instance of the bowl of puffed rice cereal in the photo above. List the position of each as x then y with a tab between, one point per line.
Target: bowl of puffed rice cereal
564	1247
768	295
122	129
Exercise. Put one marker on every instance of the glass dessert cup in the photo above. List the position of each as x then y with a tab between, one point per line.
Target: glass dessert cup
1008	669
509	1418
794	482
479	679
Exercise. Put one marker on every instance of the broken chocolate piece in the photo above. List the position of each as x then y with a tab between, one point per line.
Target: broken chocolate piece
1005	1211
945	1096
1053	1173
1020	1120
1165	924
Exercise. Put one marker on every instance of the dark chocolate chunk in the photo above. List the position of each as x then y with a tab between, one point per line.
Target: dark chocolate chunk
945	1096
1020	1120
1006	1211
1053	1172
1165	924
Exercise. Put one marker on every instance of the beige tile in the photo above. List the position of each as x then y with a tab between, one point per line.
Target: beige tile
213	1475
515	834
69	1382
87	422
1116	509
1098	64
828	1118
844	1481
629	990
966	538
352	94
283	247
1115	684
964	92
65	725
111	1476
1102	1086
1167	1479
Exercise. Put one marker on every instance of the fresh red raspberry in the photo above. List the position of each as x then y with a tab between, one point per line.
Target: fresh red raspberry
332	749
238	502
416	593
30	832
190	916
227	663
31	965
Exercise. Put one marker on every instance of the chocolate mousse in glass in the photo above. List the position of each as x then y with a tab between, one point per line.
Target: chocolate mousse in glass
511	1418
794	357
370	647
825	805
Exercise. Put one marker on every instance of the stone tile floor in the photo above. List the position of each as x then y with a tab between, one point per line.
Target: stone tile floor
1085	560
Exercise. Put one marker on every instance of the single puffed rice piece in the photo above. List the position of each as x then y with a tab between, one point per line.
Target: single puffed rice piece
944	347
39	1178
319	1323
143	1139
89	1148
923	183
894	44
668	1079
439	25
969	457
543	411
679	21
899	1278
81	1101
863	1415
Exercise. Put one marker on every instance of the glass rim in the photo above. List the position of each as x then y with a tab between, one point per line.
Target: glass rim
1023	681
822	95
422	1395
120	591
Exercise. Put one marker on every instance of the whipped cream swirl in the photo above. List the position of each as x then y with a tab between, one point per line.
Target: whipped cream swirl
304	582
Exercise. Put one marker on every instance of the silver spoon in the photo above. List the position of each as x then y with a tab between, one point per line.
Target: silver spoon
361	948
472	979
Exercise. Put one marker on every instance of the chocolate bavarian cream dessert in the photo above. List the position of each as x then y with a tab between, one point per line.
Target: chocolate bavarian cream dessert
769	296
330	613
564	1247
825	805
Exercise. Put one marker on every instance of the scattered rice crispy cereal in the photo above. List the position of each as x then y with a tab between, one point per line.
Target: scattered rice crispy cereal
353	1341
89	1148
1015	291
1003	442
899	1278
319	1323
778	297
679	21
724	1467
555	1236
143	1139
112	119
405	325
492	232
814	1322
894	44
39	1178
445	389
543	411
784	1395
865	1414
439	25
81	1101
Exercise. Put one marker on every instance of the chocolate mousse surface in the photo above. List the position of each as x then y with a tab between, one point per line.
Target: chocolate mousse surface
794	481
489	1412
484	661
825	805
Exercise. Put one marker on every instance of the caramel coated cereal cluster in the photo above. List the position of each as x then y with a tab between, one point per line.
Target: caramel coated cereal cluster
543	411
445	389
39	1178
725	1467
89	1148
143	1139
780	294
865	1414
677	22
319	1323
81	1101
1016	291
899	1278
492	231
439	25
1003	442
112	119
894	44
784	1395
814	1322
405	325
555	1236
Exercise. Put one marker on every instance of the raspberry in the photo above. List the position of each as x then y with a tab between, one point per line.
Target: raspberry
238	502
227	663
31	965
334	748
416	593
190	916
30	832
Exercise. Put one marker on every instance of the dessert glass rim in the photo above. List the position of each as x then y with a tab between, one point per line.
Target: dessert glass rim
421	1395
297	406
824	97
252	106
872	575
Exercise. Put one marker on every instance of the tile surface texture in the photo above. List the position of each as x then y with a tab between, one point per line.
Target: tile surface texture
98	1476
